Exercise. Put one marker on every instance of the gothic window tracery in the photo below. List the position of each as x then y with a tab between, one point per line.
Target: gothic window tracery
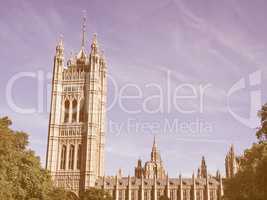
66	111
74	110
63	157
71	157
81	111
79	156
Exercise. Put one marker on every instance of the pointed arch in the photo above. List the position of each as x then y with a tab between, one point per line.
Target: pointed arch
71	157
63	157
79	156
81	111
66	111
74	110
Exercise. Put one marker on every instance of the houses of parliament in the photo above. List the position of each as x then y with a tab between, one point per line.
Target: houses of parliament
76	138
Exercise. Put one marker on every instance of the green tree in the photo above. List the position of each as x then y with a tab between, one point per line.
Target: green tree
61	194
21	174
262	131
163	197
95	194
250	182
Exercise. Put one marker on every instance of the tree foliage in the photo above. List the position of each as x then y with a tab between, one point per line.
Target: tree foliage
61	194
262	131
163	197
21	175
95	194
250	182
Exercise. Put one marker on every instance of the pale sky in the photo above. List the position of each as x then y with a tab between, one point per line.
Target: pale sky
148	44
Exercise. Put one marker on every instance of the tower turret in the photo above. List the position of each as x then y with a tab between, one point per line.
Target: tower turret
94	46
230	163
138	169
55	108
202	171
155	156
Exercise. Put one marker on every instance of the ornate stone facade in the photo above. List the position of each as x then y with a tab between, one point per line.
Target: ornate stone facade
76	138
152	168
75	151
152	183
132	188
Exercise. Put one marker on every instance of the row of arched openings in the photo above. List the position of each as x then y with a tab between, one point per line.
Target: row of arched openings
71	157
74	112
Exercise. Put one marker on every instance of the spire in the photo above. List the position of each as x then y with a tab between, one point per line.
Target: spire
83	28
155	154
139	162
94	45
231	165
60	47
60	44
95	39
60	40
203	162
154	147
82	54
154	141
232	150
202	171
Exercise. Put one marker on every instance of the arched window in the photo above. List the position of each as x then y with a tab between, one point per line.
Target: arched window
66	111
71	157
74	110
81	111
79	156
63	157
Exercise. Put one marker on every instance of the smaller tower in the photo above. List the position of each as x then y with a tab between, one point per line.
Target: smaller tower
155	166
202	171
155	156
230	163
138	169
120	173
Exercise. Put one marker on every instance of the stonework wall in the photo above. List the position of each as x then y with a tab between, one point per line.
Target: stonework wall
75	151
132	188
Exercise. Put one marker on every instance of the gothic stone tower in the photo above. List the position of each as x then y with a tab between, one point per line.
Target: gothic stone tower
231	165
75	150
153	168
